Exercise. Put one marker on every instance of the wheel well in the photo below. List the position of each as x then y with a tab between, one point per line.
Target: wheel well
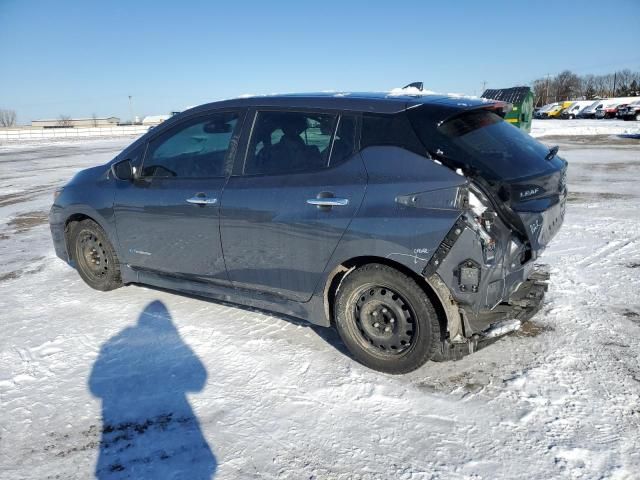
336	276
68	224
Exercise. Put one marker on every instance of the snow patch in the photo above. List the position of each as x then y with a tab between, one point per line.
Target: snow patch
583	127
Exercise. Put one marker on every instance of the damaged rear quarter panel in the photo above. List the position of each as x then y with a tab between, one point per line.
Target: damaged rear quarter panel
390	223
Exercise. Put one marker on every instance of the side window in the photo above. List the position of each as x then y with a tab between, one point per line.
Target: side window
345	139
390	130
194	149
289	142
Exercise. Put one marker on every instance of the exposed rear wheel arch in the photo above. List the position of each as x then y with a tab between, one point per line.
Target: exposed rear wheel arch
338	274
386	320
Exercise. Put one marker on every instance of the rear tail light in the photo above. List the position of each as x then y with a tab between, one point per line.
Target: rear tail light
482	219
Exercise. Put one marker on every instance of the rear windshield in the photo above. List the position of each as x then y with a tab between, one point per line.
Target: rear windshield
484	141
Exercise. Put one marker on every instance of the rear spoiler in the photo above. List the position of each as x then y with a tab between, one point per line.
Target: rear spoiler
452	107
499	108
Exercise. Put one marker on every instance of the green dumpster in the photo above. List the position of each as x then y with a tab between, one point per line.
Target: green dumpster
522	100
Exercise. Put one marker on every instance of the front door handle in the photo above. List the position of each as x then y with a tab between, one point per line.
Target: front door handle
328	202
201	199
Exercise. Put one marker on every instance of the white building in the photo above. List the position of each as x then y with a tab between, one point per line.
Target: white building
76	122
154	119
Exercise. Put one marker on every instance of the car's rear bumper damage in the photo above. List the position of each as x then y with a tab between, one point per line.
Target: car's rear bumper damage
484	271
504	318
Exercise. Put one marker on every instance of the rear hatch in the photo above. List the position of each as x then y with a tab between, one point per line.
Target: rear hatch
526	181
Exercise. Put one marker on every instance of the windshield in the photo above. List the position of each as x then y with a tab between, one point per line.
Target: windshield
548	107
485	142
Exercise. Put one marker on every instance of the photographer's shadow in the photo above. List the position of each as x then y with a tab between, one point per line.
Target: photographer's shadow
149	430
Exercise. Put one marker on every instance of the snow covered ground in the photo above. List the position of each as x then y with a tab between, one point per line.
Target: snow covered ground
143	380
546	128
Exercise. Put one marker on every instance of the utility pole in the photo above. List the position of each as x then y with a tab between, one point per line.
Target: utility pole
614	83
131	109
484	86
546	93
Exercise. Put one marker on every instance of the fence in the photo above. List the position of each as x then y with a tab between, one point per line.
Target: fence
9	134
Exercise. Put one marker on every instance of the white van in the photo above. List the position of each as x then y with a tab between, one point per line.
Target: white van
590	111
575	108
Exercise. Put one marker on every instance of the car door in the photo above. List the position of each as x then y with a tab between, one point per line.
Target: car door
167	219
287	205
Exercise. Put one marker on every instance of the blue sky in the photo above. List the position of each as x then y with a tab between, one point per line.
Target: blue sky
83	57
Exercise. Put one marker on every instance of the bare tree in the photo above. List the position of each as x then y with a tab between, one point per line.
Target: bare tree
603	85
539	88
587	90
7	118
65	121
624	79
566	85
569	86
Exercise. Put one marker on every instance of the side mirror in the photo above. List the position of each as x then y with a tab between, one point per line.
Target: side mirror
123	170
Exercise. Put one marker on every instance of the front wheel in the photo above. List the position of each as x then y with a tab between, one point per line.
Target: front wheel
386	320
95	258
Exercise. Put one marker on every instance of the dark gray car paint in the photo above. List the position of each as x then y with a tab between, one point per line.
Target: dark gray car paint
262	221
158	230
276	242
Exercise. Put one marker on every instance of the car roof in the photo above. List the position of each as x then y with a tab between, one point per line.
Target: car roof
373	102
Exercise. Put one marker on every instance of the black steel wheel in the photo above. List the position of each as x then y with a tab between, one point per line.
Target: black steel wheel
94	256
386	320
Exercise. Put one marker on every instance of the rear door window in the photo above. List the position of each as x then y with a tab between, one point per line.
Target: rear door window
344	141
289	142
196	148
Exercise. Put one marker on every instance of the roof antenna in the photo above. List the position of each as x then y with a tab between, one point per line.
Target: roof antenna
418	85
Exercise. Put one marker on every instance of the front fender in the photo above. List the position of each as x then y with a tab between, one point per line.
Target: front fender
79	200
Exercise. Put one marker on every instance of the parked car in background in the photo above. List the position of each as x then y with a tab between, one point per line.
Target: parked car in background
410	223
630	112
609	111
575	108
553	112
543	111
556	112
590	112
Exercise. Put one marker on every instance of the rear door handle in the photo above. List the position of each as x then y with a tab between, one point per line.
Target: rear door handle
202	200
328	202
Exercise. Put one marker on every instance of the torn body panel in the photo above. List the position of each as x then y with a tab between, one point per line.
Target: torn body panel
483	257
487	263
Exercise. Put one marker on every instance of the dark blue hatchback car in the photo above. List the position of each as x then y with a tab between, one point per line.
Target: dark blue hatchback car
411	223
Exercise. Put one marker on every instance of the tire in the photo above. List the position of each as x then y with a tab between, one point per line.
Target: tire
94	256
374	298
638	117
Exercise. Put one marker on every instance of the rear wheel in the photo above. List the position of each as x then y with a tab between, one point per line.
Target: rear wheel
95	258
386	320
638	117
